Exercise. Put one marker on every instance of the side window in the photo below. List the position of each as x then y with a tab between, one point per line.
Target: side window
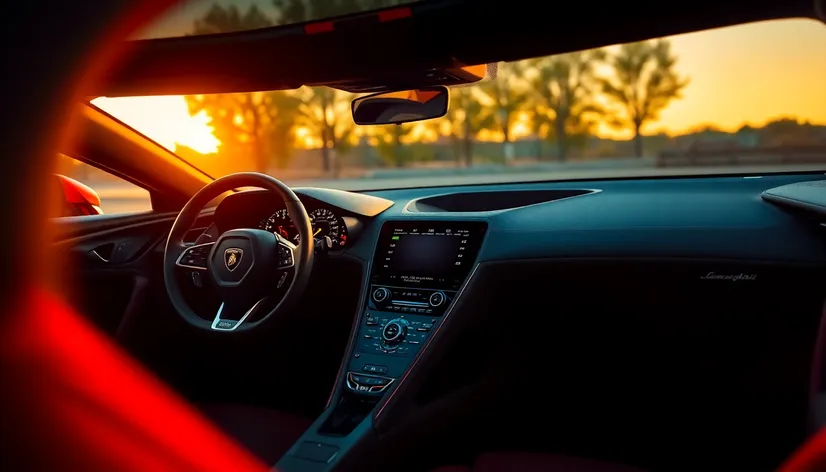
83	190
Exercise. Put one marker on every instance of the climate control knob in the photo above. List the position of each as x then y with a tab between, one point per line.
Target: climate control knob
394	331
380	294
437	298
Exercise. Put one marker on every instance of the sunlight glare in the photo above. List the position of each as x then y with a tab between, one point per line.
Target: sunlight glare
165	119
305	139
521	128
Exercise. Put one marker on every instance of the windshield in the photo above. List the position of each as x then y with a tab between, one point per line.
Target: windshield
736	100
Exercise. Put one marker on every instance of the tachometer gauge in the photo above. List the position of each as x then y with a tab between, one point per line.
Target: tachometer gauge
326	223
281	224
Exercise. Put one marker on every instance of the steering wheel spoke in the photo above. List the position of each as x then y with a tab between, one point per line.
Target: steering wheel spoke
231	314
195	257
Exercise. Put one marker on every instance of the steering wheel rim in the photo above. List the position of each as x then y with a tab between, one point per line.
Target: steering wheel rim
246	265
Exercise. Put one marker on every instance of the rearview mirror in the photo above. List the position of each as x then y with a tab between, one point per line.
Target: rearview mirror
404	106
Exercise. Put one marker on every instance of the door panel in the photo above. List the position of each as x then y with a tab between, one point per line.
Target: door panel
114	259
115	278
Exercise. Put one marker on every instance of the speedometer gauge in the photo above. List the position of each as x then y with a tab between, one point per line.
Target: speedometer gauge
281	224
326	223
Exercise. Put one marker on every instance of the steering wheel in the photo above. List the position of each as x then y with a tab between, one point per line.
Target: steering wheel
246	265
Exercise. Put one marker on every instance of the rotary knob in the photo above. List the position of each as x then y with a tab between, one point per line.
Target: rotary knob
380	294
394	331
437	298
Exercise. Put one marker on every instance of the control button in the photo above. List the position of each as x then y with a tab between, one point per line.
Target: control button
425	327
285	256
357	378
370	320
194	257
367	336
381	294
196	279
367	383
437	298
412	342
394	331
374	369
372	381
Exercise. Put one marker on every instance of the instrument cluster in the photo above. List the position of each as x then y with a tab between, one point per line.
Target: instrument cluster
325	223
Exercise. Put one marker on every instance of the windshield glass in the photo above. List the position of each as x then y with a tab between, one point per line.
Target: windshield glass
736	100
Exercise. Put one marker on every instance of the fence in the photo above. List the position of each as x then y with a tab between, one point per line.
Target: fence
732	155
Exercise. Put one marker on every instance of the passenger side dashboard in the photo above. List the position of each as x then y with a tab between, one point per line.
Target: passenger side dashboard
650	308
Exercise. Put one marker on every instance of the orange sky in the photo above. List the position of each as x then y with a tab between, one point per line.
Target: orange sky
750	73
742	74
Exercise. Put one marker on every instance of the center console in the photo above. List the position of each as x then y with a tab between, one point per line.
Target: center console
417	271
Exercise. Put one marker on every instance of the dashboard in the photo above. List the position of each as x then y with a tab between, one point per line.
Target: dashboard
632	297
640	296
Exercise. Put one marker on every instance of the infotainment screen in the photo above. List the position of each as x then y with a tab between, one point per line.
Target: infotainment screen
427	254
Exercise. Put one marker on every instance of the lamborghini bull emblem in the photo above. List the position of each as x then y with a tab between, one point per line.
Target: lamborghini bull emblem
232	258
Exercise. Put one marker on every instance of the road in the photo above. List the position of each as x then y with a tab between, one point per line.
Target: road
118	198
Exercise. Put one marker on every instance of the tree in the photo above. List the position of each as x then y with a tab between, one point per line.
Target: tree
397	144
247	124
564	87
322	111
255	124
325	112
297	11
644	83
507	96
466	117
220	19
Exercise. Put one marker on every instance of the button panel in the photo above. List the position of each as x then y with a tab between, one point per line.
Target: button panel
374	369
377	326
386	344
410	300
363	383
285	256
195	257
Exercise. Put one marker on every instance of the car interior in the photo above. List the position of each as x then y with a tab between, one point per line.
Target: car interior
643	324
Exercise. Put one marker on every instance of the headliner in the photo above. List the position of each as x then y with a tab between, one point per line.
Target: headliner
439	34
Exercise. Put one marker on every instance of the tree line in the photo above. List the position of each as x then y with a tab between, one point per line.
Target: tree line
563	97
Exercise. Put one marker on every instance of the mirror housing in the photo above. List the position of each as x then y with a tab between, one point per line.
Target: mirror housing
403	106
76	199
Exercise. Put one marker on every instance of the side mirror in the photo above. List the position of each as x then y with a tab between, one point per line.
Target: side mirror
404	106
76	199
